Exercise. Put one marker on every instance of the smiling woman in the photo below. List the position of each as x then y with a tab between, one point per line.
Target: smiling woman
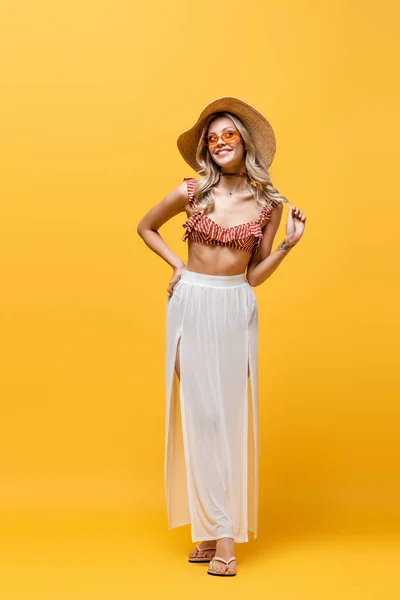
211	430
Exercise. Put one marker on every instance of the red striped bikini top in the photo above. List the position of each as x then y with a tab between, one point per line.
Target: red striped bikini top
245	236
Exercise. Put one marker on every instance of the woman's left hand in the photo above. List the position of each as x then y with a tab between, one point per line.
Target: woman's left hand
295	224
173	281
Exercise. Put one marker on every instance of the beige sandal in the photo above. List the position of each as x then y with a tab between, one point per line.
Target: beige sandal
228	572
202	559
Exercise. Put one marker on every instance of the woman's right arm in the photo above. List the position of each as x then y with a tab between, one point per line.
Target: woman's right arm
172	204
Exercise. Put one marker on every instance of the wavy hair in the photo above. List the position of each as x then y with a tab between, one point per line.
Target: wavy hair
260	182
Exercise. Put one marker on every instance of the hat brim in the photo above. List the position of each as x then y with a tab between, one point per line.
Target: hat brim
260	129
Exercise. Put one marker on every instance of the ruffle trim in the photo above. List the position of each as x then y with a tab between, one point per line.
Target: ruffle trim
210	230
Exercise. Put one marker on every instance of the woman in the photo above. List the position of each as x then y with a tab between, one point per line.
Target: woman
233	213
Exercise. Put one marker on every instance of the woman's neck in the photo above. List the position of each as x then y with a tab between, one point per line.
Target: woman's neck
232	182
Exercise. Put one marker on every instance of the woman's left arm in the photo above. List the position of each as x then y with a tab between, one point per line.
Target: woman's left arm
262	264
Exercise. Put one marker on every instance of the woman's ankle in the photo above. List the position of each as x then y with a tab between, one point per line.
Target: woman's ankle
225	541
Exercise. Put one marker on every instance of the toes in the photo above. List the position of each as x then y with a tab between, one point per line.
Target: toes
217	568
232	567
202	553
206	553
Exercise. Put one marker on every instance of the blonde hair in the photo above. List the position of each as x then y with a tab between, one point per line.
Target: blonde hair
260	182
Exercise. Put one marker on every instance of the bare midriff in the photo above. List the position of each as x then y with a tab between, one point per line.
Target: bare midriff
216	260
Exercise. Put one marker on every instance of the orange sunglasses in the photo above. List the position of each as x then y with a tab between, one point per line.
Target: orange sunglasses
230	135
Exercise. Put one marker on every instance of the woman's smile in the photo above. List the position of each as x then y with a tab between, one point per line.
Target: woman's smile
223	152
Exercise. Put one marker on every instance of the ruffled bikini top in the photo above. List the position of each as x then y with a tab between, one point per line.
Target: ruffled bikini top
245	236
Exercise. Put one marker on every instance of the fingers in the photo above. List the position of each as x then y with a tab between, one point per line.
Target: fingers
170	289
298	214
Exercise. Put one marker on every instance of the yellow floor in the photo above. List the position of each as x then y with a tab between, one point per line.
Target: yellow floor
88	556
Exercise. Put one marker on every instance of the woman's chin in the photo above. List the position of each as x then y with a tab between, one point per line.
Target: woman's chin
228	162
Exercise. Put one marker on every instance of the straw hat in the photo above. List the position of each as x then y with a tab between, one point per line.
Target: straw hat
260	129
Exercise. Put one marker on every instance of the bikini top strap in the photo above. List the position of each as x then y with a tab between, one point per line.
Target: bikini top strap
266	210
264	213
190	185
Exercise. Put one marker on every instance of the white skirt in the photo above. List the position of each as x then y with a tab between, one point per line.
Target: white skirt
211	436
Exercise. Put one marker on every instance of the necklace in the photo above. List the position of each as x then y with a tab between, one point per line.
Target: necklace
237	191
233	174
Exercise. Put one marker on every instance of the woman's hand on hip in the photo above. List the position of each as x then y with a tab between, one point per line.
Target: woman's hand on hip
174	280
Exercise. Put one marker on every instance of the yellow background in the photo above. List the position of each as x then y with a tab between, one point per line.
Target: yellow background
93	97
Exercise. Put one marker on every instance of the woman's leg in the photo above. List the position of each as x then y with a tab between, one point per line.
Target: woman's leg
210	543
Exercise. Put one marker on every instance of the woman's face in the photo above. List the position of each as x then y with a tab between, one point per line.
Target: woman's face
228	152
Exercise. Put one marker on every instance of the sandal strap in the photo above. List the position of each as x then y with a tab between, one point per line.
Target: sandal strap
223	559
204	549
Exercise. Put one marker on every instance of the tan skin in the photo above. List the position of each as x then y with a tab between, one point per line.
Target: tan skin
222	260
